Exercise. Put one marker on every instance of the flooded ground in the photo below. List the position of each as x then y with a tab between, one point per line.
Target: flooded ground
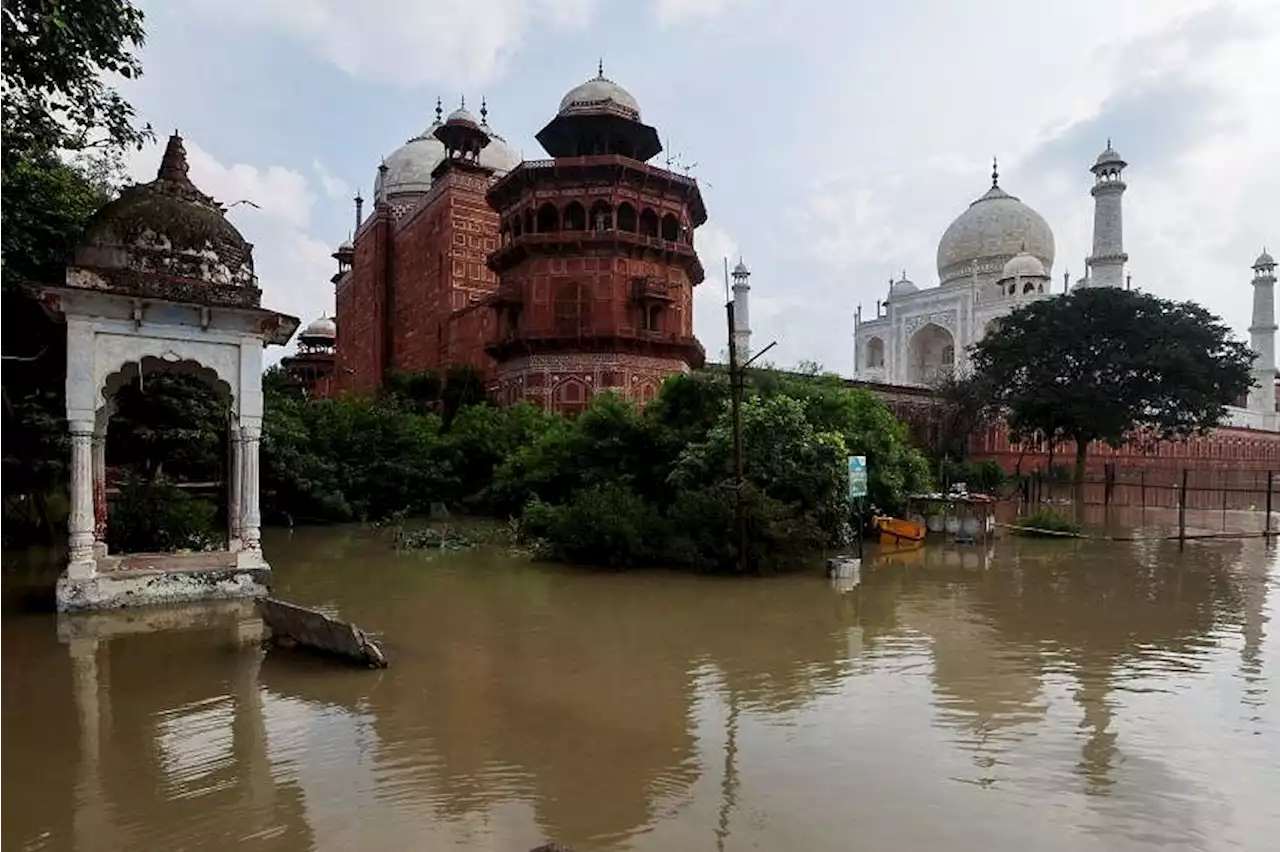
1064	695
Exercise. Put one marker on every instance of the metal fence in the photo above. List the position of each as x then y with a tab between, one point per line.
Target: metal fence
1188	501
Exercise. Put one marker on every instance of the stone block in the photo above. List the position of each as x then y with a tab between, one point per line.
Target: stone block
315	631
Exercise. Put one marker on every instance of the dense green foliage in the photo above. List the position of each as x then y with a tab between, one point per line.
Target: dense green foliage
1111	365
56	55
614	486
153	515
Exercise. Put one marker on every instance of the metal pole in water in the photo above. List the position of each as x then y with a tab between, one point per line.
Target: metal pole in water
1268	526
1182	510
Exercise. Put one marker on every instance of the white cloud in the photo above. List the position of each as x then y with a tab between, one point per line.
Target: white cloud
293	266
710	326
460	42
1201	190
682	11
334	187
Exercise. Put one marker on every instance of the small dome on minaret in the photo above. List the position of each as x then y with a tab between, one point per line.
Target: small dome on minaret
1265	261
596	118
1109	157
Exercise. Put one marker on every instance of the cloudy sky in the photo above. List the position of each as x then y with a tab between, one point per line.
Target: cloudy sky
834	141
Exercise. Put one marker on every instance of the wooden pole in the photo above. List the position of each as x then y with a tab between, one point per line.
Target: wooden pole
1268	526
1182	510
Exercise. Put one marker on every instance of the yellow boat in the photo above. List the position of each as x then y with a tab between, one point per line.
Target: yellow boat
898	531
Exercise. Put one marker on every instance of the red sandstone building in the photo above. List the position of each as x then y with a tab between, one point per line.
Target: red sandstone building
554	278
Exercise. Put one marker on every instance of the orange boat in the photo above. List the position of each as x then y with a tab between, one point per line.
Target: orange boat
898	531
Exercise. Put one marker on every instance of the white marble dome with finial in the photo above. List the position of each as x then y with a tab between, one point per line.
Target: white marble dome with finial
993	229
409	167
600	95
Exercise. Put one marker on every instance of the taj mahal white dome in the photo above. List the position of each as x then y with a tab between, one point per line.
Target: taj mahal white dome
324	328
993	229
600	95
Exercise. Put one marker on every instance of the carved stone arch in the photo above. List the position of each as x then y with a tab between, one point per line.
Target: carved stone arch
150	366
219	361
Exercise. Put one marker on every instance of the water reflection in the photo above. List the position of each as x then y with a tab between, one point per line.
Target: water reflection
1113	695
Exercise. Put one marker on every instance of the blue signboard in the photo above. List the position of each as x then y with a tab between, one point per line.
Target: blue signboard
857	477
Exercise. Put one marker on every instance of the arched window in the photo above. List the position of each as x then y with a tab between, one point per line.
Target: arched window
875	352
572	310
948	356
670	228
570	397
648	223
575	217
626	217
601	216
548	219
1029	287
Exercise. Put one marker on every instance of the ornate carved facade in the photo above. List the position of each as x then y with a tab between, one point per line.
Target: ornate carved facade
554	278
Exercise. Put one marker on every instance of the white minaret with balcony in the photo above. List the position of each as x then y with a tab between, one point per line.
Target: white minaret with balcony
1106	264
1262	335
741	311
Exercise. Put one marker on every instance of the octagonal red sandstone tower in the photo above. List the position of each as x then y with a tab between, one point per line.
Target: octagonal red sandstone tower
595	260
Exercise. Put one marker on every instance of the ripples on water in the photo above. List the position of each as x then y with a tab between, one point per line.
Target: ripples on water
1042	696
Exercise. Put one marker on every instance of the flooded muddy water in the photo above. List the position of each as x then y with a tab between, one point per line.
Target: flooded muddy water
1059	695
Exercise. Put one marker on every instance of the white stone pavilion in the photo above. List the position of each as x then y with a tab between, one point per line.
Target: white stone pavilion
162	282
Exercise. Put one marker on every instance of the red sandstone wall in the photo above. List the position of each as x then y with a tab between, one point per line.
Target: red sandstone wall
440	269
1222	449
360	301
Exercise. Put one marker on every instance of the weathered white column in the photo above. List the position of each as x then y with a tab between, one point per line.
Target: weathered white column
82	562
100	482
250	518
233	491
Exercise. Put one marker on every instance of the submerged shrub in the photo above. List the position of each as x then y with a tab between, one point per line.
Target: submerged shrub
155	516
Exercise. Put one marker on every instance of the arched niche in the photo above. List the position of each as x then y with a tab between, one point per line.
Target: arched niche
875	352
930	354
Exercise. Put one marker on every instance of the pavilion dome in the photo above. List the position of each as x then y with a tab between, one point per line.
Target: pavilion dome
903	287
322	330
169	236
1023	265
1264	260
600	96
993	229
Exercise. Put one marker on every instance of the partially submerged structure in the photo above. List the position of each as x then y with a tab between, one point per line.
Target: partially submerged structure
162	282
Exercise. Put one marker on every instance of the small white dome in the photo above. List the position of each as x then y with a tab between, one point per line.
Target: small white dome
323	328
741	269
1108	156
903	287
1264	260
1023	265
409	167
346	246
599	95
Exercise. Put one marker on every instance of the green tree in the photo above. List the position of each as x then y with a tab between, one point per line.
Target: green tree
1104	364
56	56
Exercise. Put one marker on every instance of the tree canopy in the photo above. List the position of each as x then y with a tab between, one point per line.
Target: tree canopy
1104	364
57	56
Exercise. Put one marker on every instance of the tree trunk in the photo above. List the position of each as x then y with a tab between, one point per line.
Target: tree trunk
1082	452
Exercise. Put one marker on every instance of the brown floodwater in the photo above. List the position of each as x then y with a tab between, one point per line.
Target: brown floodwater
1062	695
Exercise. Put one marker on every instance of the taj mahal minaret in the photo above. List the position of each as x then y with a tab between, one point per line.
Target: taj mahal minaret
741	311
1262	334
1106	264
